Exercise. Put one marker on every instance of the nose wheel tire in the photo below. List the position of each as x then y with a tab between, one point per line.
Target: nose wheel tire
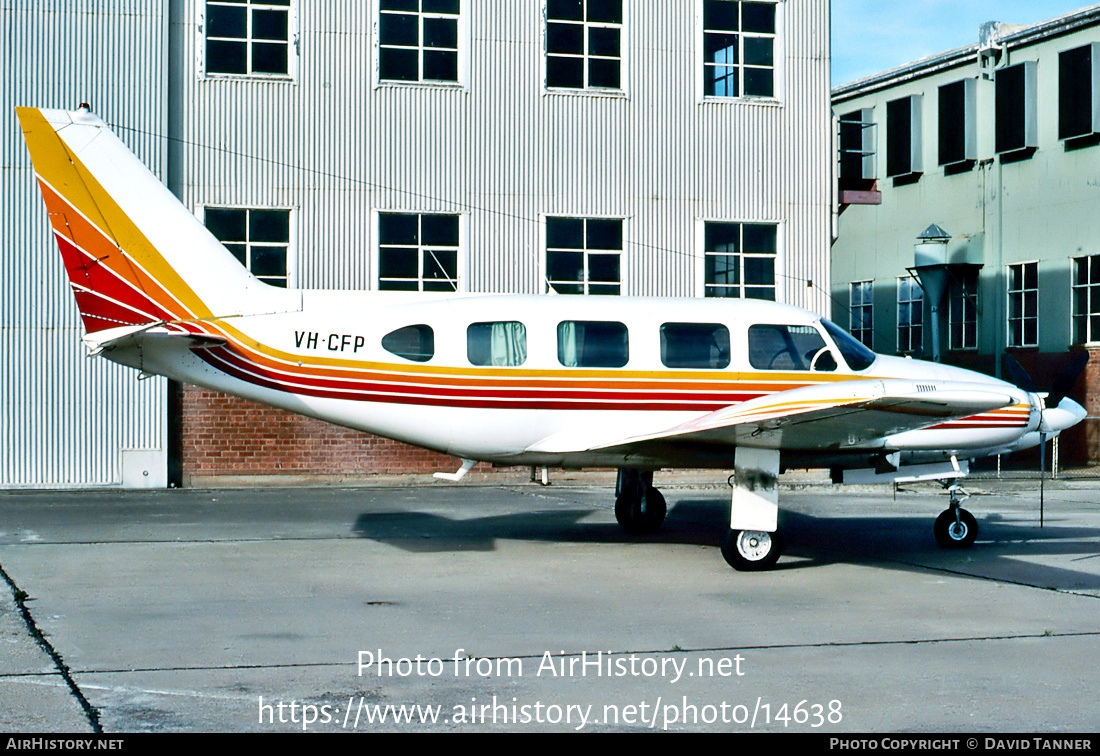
751	550
955	532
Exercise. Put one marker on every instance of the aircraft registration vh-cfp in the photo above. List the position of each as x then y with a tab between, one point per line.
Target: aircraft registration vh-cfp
636	384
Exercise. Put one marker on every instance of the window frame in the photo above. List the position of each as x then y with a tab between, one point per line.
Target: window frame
462	78
964	133
292	43
702	64
1021	295
905	332
587	89
1091	292
865	326
904	138
960	296
291	252
1090	84
460	258
586	283
702	282
1027	113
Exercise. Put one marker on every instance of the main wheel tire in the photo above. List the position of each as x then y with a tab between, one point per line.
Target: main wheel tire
955	535
751	550
641	514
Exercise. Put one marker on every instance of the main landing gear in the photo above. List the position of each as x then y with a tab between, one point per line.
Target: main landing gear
751	550
639	507
956	528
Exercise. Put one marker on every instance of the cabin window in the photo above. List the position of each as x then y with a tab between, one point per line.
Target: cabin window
582	255
500	344
584	44
854	353
738	49
248	37
415	343
258	237
418	40
785	347
695	345
592	344
418	252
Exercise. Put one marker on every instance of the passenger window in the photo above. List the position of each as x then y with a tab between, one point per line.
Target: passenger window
415	343
782	347
592	344
499	344
695	345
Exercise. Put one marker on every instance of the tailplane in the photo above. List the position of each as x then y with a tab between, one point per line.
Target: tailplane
133	253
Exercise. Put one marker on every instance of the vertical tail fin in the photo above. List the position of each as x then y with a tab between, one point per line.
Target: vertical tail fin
133	253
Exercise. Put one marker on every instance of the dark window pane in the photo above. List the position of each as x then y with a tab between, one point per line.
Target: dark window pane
723	237
610	290
227	224
269	261
723	269
564	72
269	226
721	81
1031	276
441	6
758	17
397	262
758	82
439	230
604	234
603	73
440	32
758	51
565	266
720	15
564	233
759	239
269	57
952	122
398	228
240	251
603	42
226	22
398	65
605	11
440	66
603	268
720	48
269	25
400	5
561	288
1010	94
226	57
759	271
399	29
565	38
567	10
899	155
441	265
1075	92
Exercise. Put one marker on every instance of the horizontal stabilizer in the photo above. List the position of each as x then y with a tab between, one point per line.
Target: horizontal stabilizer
125	337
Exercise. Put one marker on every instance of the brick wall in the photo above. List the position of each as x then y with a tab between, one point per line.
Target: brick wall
224	436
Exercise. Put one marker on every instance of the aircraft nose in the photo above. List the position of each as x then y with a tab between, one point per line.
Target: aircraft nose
1066	415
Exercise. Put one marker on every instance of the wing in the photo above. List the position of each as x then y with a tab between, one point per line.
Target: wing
831	416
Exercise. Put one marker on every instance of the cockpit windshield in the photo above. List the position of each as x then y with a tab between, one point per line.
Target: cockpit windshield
855	354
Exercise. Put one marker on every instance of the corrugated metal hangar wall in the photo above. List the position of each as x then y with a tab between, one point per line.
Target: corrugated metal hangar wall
336	141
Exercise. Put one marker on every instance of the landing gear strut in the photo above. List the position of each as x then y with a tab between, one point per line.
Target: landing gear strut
956	528
639	507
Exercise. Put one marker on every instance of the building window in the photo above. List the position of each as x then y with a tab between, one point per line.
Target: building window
958	131
1086	299
910	315
739	260
417	252
1023	304
418	40
861	323
962	312
857	146
248	37
903	136
1078	75
584	44
738	49
582	255
1017	121
258	237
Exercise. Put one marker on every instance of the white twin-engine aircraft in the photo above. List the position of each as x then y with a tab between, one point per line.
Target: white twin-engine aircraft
636	384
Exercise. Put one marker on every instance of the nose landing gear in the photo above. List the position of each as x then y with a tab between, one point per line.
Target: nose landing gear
956	528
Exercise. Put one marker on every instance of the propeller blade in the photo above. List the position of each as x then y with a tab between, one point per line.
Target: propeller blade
1018	375
1065	382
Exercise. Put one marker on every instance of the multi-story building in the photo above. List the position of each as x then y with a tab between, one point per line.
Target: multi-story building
970	214
580	147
